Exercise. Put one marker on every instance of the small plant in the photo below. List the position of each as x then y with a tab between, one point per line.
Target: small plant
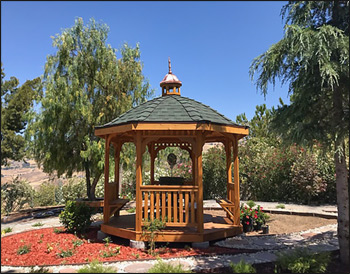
7	230
301	260
110	252
65	253
242	267
77	242
107	241
96	267
38	224
57	230
136	255
282	206
41	238
131	210
24	249
76	217
188	248
150	231
163	267
39	270
251	203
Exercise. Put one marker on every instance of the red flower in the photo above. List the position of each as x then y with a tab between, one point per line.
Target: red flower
247	217
261	208
250	209
247	223
242	211
256	216
256	211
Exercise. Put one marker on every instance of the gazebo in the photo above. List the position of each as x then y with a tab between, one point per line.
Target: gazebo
171	121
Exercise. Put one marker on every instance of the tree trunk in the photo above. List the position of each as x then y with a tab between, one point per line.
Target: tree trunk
88	181
343	205
93	187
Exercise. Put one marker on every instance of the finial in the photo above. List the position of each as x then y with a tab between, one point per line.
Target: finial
169	65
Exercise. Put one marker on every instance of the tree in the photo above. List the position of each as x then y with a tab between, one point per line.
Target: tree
16	102
313	57
85	85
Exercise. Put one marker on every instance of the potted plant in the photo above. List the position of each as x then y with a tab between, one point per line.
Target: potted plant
260	218
247	218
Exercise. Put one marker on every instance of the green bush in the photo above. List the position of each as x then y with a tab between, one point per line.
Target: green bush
76	217
214	173
15	195
24	249
242	267
74	189
45	194
163	267
97	267
302	261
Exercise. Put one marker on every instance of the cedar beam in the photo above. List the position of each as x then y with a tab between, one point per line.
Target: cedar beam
236	183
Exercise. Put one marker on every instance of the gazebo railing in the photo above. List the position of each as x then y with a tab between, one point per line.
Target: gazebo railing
174	205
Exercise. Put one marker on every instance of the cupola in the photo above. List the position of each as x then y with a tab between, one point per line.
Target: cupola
170	84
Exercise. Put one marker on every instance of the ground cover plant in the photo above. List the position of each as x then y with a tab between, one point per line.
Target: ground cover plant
97	267
163	267
242	267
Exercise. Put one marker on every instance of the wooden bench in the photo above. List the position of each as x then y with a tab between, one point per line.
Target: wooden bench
227	205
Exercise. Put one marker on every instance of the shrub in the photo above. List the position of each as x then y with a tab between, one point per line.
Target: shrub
97	267
214	173
45	194
242	267
301	260
24	249
163	267
15	195
74	189
76	217
65	253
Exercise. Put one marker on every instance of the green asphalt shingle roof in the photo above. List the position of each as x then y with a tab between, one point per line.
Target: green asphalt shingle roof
171	108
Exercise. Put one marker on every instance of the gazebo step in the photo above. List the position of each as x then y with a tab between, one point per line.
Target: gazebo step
227	205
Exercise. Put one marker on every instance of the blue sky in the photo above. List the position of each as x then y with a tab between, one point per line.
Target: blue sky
211	44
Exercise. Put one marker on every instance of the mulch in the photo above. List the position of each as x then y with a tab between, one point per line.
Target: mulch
49	248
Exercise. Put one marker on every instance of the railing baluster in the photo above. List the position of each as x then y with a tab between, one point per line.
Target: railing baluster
175	207
187	213
146	206
152	206
157	205
169	206
163	206
181	209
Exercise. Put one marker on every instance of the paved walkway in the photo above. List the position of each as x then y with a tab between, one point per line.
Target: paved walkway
318	239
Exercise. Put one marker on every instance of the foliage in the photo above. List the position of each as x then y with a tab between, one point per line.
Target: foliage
253	216
96	267
24	249
16	102
85	85
15	195
242	267
57	230
107	240
302	261
76	217
6	230
214	173
38	224
110	252
282	206
77	242
46	194
150	230
162	267
131	210
74	189
65	253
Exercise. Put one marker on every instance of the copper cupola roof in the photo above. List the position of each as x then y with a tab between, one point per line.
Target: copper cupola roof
170	83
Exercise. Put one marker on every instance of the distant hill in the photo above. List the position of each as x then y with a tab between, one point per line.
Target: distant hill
30	172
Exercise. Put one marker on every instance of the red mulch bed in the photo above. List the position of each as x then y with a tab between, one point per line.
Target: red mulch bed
39	240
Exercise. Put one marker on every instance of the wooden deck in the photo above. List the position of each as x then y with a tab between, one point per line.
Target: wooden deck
216	226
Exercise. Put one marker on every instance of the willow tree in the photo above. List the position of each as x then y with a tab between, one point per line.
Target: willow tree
313	57
85	85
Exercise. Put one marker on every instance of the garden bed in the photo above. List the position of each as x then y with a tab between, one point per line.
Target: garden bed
50	248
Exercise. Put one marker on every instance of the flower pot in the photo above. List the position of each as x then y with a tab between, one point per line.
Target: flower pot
265	229
257	227
247	227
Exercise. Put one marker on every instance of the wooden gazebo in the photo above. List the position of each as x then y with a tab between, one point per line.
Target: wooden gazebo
171	121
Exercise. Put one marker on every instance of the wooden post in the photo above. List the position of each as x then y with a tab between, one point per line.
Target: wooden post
106	174
153	156
236	183
117	147
199	179
138	214
228	169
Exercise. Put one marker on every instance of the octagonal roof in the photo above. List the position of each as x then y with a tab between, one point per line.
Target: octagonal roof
171	109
